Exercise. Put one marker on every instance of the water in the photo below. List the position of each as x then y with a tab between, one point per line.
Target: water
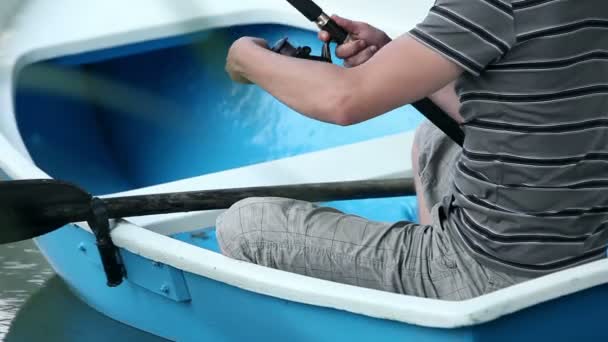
36	305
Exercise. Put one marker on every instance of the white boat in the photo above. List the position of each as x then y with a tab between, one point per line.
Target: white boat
131	98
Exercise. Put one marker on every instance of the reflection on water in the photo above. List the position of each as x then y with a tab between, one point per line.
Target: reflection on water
37	306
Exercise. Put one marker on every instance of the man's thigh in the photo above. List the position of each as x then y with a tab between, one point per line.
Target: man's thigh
325	243
321	242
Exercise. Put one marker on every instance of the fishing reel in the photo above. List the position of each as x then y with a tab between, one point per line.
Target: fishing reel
285	48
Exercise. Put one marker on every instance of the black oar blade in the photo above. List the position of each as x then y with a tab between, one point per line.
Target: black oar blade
30	208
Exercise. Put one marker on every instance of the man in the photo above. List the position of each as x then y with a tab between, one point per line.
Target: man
528	194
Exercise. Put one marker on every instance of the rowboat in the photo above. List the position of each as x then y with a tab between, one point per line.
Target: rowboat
127	98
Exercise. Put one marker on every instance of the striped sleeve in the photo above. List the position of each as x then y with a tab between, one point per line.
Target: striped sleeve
472	33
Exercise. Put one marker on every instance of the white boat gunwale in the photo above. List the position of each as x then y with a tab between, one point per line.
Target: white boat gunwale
22	45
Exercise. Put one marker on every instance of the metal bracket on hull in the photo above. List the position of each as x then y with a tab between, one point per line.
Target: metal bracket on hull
157	277
110	259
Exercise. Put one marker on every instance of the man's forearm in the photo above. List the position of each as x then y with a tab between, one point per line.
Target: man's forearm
318	90
402	72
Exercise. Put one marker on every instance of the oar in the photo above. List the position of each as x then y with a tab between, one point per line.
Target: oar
30	208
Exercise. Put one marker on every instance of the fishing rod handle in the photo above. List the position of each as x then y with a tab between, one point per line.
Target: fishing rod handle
314	13
336	32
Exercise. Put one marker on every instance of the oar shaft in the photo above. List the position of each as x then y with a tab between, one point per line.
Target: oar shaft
31	208
440	119
221	199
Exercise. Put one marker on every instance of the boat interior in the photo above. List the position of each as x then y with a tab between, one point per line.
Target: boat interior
130	118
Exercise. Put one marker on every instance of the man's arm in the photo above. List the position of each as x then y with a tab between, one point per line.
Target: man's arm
366	40
400	73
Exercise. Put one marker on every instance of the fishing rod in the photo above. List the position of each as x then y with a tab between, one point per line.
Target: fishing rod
315	14
339	35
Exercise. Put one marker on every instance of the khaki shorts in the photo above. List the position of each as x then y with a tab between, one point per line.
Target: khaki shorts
402	257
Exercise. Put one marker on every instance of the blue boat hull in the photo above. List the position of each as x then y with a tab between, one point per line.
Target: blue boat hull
220	312
174	114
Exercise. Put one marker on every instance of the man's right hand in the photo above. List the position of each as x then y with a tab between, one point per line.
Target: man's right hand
365	41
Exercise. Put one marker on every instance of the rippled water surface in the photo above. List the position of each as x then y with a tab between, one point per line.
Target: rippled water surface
36	305
23	271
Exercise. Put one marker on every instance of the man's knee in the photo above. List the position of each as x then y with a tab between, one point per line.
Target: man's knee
233	228
239	229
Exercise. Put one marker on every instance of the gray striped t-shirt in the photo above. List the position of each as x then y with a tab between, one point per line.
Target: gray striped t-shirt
531	187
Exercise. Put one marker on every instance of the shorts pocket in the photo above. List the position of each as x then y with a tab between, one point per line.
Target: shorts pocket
497	280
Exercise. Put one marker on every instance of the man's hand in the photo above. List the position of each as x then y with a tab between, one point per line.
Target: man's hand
237	55
365	41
